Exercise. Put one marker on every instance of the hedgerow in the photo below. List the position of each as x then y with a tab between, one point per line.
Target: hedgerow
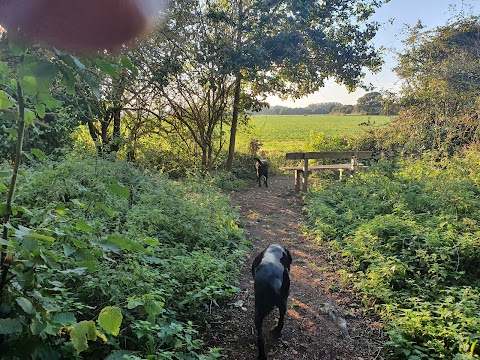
410	233
108	262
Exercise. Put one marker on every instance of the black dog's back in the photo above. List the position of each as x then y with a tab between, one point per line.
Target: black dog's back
270	269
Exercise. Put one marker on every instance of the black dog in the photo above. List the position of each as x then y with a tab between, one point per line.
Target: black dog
262	170
270	269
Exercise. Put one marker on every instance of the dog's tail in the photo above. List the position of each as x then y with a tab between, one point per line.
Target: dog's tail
258	160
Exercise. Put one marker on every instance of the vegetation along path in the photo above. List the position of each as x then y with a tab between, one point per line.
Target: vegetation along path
324	319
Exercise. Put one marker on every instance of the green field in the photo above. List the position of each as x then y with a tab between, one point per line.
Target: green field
289	132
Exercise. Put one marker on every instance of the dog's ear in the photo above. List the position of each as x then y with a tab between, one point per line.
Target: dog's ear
289	256
257	262
286	259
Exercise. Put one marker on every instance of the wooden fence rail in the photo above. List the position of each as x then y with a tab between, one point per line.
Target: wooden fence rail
303	171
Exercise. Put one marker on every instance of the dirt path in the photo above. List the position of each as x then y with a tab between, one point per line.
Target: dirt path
324	320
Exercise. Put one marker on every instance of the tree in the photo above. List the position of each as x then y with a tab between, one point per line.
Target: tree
289	48
390	103
342	109
50	125
441	85
183	81
323	108
30	80
440	69
370	104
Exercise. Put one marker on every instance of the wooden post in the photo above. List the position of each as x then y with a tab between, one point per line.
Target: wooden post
297	180
354	163
305	174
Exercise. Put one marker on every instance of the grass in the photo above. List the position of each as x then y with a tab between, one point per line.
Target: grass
289	132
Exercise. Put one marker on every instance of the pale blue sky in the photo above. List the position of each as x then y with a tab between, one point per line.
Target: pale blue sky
395	16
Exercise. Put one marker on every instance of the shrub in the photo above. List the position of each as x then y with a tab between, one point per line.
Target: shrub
411	233
107	260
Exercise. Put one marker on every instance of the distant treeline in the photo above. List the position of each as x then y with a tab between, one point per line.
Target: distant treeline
372	103
323	108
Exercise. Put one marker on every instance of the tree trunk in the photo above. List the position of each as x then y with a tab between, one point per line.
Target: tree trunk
115	145
4	264
236	99
94	135
204	158
233	131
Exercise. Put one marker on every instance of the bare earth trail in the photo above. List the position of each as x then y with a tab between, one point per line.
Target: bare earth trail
324	319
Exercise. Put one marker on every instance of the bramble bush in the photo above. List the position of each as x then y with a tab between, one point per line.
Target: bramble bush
410	233
107	262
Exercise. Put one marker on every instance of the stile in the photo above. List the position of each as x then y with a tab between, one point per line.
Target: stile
306	156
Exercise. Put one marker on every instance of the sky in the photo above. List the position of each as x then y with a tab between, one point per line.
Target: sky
394	18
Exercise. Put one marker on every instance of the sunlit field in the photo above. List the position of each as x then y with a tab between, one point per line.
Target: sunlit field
289	132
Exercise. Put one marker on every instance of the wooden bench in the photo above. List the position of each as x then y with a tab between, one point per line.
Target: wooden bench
304	170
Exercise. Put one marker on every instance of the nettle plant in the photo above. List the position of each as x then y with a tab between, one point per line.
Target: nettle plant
32	307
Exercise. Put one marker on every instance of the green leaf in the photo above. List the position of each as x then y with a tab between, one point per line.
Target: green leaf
110	319
117	189
38	153
10	326
151	241
78	271
107	247
26	305
81	225
78	63
134	302
81	333
119	240
4	69
61	210
29	244
6	100
68	80
91	83
41	237
90	265
124	243
107	67
5	243
49	101
29	117
153	260
30	82
37	327
125	61
68	250
79	244
22	209
36	76
22	232
105	208
154	307
40	108
3	187
65	319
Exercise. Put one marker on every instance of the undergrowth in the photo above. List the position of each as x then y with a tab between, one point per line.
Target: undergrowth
92	240
411	234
